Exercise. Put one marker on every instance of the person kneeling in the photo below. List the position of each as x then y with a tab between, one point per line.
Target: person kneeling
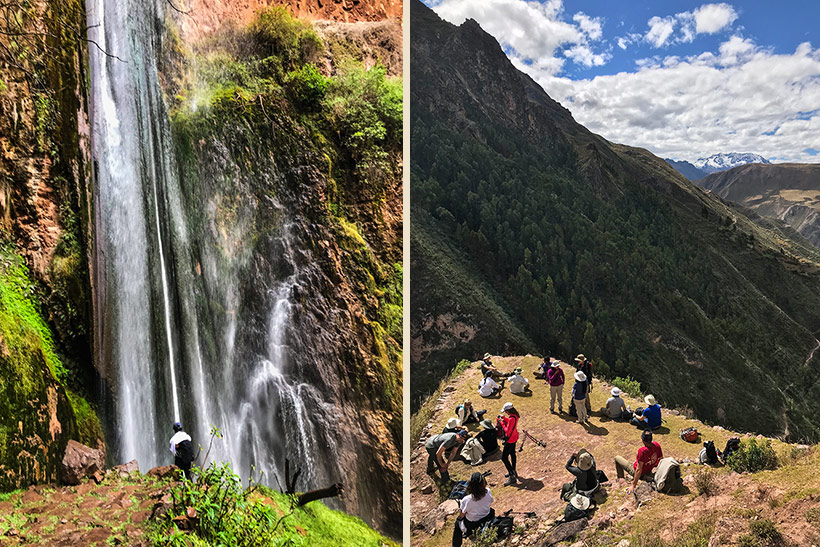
475	509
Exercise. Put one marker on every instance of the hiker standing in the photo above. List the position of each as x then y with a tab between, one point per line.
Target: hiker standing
586	367
555	379
648	457
182	449
475	508
579	395
437	447
510	425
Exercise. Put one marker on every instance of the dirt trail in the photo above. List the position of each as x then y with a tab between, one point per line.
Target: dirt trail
542	469
811	353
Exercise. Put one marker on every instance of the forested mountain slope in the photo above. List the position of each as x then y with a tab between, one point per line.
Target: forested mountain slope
528	231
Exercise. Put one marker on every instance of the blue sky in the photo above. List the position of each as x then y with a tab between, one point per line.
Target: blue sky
683	79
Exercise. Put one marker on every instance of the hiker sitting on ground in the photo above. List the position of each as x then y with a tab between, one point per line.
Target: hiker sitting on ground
467	414
488	366
475	509
648	457
650	418
518	384
488	437
616	408
555	379
579	395
441	446
586	367
541	372
586	475
488	387
182	449
452	426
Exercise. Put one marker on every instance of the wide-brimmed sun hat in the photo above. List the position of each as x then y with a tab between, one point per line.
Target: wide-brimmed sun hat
580	357
580	502
554	364
518	370
487	356
580	376
585	461
616	392
649	399
507	406
487	424
452	423
467	401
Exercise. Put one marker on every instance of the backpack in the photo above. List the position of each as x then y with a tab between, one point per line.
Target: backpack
502	525
668	479
708	453
690	434
732	446
458	491
573	513
185	452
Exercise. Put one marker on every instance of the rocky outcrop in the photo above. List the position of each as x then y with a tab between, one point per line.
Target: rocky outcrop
80	462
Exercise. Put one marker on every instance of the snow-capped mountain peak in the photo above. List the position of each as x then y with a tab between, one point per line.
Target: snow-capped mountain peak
722	162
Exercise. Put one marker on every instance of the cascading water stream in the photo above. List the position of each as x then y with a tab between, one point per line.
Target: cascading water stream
194	329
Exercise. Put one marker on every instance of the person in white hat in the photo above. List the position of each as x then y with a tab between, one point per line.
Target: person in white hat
579	395
509	424
585	366
616	408
650	418
452	426
518	384
582	465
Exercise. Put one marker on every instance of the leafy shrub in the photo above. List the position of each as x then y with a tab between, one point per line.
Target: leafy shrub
705	482
486	538
307	87
291	41
762	533
462	365
628	385
813	517
753	456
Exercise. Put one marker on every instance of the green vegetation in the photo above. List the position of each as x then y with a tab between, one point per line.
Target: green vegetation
230	514
628	385
291	41
89	429
307	86
753	456
762	533
705	482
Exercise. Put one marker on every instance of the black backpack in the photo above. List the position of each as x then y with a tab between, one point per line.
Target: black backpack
459	490
185	452
573	513
732	446
711	452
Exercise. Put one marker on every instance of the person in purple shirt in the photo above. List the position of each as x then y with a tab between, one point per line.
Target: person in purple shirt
555	379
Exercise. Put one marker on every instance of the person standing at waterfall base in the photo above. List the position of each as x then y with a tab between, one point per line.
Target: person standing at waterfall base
183	450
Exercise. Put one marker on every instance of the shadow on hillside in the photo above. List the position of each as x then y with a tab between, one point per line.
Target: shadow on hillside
593	429
522	394
533	485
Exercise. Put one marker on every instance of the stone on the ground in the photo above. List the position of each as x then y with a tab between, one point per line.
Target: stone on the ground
79	462
162	506
427	489
624	543
433	521
564	531
643	492
126	469
449	388
162	471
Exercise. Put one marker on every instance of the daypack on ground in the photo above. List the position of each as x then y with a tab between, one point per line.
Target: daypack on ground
458	491
573	513
732	446
503	526
708	454
690	434
668	479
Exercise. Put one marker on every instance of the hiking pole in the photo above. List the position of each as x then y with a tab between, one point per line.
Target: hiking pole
527	435
527	514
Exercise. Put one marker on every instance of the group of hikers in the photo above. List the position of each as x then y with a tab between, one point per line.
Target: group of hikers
455	441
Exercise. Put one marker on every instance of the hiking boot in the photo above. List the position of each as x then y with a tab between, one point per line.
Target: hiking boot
510	481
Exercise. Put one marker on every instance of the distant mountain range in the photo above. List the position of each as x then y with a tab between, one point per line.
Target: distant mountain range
715	163
789	192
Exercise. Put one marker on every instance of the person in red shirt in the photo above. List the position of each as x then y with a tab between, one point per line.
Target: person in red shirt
645	463
510	425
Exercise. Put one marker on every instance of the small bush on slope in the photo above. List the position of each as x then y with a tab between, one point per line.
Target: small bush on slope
753	456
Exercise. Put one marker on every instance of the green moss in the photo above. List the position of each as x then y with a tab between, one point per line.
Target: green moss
292	42
89	429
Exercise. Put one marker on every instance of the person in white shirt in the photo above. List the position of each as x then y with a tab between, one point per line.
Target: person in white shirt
518	384
475	508
488	387
182	449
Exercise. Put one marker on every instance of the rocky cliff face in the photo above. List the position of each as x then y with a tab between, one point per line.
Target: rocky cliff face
786	191
45	323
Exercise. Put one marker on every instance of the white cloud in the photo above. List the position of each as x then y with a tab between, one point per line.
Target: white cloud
687	108
711	18
622	42
660	29
707	19
535	33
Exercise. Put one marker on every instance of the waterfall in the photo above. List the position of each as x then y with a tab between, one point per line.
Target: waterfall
197	306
